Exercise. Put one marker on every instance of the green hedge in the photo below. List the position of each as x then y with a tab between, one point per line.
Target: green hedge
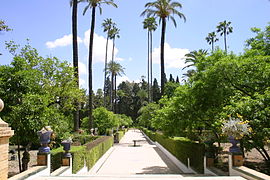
96	149
90	152
77	157
182	149
83	139
118	136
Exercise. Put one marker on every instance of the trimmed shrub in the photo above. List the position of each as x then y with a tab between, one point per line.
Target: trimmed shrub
83	138
96	149
77	157
90	152
118	136
182	148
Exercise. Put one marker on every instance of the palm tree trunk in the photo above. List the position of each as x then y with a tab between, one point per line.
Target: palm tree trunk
112	87
151	67
105	69
76	115
163	76
115	93
90	67
212	45
148	64
111	93
225	43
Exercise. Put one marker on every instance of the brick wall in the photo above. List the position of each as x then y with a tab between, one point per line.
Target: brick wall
5	134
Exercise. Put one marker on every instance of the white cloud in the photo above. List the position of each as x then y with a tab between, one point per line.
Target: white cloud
174	57
61	42
82	83
82	68
99	48
120	79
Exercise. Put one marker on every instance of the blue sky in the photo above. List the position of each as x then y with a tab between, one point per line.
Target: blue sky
47	23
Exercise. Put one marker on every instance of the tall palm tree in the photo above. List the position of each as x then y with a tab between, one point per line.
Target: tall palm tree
164	10
116	70
107	26
151	25
113	34
194	57
224	29
74	5
211	39
93	4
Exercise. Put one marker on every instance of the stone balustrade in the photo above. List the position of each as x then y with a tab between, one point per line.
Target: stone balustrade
5	134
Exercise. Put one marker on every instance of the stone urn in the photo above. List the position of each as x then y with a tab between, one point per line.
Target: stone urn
45	138
237	156
1	105
234	148
66	146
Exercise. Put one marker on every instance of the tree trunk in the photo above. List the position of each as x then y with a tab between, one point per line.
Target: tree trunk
212	45
112	87
115	93
76	115
19	152
163	76
90	67
105	69
111	93
266	154
148	64
225	43
151	68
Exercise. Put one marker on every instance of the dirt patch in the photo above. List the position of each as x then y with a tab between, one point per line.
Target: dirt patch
253	159
13	165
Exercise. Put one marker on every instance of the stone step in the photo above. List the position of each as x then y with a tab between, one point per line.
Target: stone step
139	177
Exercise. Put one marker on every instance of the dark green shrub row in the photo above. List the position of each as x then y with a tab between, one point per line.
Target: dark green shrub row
88	153
95	149
83	139
77	157
118	136
181	148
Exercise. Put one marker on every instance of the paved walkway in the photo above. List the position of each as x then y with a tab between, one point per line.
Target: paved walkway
126	162
145	158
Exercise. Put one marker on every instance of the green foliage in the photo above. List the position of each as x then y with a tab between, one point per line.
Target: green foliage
95	152
77	152
259	45
3	26
181	147
104	119
83	138
89	153
222	84
147	113
38	92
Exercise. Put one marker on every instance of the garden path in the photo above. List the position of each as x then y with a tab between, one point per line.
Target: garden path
144	158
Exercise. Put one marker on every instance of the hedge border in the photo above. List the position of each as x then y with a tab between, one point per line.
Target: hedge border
181	149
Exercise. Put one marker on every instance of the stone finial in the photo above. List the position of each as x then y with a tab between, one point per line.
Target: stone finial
1	105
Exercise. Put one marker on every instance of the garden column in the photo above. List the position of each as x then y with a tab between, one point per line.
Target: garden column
5	134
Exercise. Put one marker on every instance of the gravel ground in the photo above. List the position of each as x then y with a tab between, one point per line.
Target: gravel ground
13	165
253	159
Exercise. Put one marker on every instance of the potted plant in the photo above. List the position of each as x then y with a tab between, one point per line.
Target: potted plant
236	128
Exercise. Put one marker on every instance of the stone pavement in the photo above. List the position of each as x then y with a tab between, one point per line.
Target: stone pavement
126	162
144	158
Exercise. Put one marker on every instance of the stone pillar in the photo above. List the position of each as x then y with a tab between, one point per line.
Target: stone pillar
5	134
